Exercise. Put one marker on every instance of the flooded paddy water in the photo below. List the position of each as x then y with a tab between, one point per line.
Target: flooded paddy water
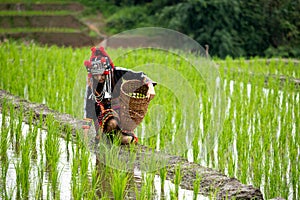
70	152
255	151
40	179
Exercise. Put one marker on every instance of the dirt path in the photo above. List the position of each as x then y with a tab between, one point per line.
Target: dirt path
212	181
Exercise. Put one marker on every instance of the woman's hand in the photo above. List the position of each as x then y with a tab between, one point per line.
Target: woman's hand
151	92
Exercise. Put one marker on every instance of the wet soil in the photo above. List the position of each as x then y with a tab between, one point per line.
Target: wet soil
212	181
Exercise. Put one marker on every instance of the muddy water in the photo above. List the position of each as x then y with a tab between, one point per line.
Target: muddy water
65	166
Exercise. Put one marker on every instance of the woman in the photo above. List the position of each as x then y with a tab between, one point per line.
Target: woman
103	89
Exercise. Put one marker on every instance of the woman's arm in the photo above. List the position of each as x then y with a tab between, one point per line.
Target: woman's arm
128	74
151	91
121	74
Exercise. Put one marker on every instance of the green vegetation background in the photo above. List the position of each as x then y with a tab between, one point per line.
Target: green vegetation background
238	28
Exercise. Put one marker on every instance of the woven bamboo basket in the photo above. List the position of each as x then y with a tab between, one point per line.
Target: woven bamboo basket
133	104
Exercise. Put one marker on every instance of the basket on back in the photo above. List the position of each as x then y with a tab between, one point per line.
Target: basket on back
133	104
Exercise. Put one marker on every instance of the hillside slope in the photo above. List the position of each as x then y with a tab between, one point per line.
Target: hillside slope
47	23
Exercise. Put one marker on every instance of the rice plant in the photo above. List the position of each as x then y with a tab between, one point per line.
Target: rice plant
258	142
177	179
118	182
147	188
52	151
4	145
196	186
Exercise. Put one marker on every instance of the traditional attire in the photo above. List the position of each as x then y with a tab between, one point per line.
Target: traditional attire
102	99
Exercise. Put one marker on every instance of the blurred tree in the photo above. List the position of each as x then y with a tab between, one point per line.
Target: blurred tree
208	22
230	27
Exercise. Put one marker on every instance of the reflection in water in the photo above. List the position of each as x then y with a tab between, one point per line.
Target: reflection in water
136	178
136	185
136	181
63	168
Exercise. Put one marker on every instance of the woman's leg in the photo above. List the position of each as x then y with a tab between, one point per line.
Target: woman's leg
111	127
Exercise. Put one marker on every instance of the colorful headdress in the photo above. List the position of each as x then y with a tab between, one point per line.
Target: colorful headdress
99	62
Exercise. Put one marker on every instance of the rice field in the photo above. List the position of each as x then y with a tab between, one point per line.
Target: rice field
36	164
34	13
32	30
238	116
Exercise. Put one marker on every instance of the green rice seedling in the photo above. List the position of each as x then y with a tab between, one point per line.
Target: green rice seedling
147	187
4	113
258	143
4	169
103	173
138	194
151	162
52	151
213	193
55	184
116	157
177	179
84	176
31	57
295	166
163	177
173	195
30	121
4	135
223	147
9	195
4	145
23	167
41	142
39	184
149	179
26	167
75	187
67	139
195	145
34	135
94	185
4	160
83	186
118	183
196	185
18	179
18	131
12	123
